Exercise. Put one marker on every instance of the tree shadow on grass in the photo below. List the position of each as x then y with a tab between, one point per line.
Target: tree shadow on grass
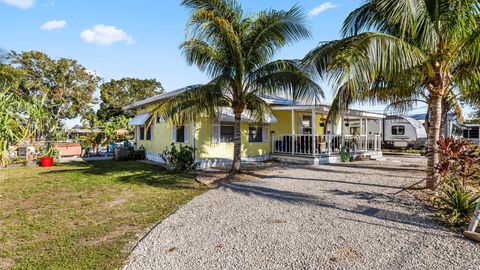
129	172
357	209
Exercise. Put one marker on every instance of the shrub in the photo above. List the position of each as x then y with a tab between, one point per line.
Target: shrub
457	159
136	154
49	151
456	205
179	160
346	157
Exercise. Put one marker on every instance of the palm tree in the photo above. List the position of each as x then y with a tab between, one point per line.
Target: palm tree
236	51
419	45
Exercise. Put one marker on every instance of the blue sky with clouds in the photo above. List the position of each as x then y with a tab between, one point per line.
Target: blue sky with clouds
126	38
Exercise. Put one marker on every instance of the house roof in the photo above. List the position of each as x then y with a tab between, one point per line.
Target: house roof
154	99
274	101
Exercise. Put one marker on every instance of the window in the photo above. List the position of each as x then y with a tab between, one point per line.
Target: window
180	134
307	124
255	134
159	119
354	131
142	133
398	130
227	131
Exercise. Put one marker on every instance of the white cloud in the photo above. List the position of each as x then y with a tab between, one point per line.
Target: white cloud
105	35
24	4
53	25
323	7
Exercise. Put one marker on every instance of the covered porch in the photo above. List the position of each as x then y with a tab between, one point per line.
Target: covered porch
312	140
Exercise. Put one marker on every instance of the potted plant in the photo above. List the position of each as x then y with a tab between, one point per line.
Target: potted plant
47	154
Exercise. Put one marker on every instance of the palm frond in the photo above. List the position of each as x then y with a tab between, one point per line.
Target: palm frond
284	78
205	57
200	101
270	30
364	59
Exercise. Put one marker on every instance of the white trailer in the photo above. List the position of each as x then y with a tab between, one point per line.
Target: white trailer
403	132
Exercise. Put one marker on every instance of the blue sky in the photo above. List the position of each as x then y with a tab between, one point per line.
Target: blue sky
127	38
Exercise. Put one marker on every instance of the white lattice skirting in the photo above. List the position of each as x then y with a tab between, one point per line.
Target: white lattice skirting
207	163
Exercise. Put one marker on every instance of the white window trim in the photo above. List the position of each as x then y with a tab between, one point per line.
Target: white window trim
186	134
265	133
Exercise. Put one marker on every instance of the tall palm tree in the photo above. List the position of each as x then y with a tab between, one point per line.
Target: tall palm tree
236	52
392	49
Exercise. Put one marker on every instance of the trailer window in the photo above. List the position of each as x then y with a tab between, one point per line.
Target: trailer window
398	130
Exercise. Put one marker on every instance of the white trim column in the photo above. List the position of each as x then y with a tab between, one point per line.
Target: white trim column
293	132
314	131
366	134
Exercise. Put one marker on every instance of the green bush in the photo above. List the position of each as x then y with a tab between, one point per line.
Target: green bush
346	157
181	159
136	154
455	204
49	151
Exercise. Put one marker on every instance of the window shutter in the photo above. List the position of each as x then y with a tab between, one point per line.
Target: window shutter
215	131
186	132
174	133
265	133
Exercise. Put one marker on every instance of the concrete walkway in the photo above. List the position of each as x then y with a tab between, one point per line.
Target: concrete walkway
346	216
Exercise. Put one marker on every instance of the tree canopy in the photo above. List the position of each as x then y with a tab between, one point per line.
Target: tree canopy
68	86
116	94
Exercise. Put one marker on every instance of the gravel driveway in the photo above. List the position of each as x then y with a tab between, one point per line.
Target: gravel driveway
344	216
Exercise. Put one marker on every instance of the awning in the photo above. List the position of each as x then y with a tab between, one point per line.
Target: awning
140	119
226	115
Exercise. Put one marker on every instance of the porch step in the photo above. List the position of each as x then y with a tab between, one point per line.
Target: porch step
378	156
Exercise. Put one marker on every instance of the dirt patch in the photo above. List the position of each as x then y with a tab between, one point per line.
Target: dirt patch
125	196
117	233
6	263
250	172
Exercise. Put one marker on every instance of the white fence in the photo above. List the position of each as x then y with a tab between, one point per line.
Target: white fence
307	144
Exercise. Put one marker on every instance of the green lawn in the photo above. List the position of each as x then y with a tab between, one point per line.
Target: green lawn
83	216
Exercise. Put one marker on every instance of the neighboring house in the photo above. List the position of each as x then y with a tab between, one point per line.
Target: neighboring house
453	127
471	133
290	134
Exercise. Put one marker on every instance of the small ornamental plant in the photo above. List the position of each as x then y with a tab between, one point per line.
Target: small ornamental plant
181	159
47	155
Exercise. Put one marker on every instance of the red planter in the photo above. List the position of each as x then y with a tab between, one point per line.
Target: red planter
46	161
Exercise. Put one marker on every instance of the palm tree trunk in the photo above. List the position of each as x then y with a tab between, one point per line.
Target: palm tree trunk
237	144
433	137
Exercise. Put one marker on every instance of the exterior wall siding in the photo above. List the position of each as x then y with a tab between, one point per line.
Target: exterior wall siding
207	149
211	153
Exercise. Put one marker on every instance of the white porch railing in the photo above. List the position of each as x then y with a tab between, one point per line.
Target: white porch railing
310	145
473	141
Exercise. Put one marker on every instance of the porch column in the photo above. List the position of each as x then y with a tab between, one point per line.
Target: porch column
380	135
293	132
314	131
366	134
361	126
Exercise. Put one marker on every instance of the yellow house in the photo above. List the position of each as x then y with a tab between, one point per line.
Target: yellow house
293	133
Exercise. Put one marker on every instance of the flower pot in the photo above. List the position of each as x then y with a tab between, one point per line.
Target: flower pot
46	161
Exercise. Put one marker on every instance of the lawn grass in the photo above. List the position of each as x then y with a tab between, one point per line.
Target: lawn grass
83	215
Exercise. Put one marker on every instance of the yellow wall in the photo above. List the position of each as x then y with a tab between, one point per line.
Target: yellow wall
207	149
284	122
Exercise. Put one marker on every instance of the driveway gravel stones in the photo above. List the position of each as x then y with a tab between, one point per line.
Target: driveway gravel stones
341	216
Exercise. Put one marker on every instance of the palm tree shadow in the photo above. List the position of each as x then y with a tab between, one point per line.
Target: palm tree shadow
129	172
362	210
